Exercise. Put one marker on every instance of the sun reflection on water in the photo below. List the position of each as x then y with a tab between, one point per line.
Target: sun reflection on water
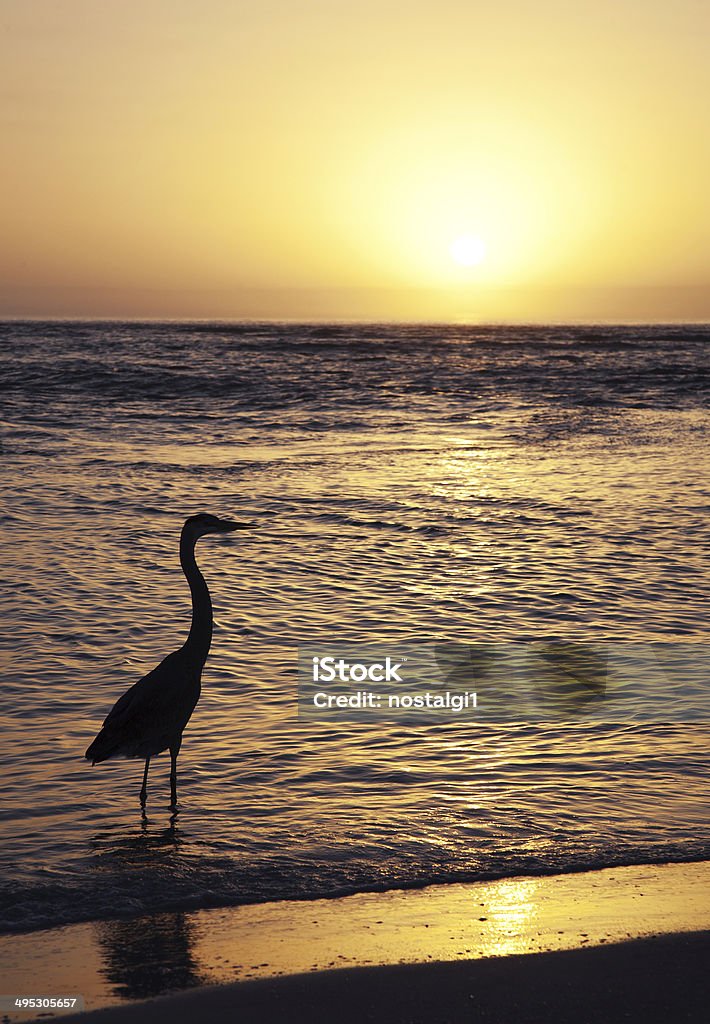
512	910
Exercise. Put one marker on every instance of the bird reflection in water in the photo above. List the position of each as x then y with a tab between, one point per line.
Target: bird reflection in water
139	850
148	956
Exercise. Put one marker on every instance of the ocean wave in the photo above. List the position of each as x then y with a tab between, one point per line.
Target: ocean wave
146	876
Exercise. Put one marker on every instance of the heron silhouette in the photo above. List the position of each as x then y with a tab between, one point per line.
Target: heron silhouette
151	716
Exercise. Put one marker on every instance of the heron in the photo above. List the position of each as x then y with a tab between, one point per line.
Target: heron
150	717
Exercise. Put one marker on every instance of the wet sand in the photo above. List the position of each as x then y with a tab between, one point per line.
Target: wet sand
416	953
650	981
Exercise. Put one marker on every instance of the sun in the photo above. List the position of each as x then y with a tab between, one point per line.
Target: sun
468	250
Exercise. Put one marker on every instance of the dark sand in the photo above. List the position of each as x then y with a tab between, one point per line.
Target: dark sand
663	980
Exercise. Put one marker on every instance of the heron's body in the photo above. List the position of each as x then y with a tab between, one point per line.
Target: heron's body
151	716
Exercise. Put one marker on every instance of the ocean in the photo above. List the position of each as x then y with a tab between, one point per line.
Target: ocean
406	484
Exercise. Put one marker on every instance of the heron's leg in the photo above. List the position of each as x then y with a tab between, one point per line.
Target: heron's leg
174	751
144	787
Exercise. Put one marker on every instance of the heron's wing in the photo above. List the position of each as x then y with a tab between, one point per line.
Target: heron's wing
151	715
156	692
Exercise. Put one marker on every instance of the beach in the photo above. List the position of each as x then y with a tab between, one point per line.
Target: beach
651	981
533	934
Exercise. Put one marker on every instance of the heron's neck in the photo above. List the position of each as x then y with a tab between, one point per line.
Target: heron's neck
200	637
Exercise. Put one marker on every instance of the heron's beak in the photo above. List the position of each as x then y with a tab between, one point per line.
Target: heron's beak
227	525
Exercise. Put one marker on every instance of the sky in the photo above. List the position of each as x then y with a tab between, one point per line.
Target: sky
394	159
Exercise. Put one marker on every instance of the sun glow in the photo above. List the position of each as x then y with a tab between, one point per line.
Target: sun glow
384	164
439	215
468	250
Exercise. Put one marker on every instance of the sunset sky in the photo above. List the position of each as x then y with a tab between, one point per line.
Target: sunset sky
378	158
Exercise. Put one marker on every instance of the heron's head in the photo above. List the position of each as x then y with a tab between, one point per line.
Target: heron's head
203	523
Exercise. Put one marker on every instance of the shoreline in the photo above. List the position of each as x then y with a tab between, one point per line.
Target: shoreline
21	932
127	961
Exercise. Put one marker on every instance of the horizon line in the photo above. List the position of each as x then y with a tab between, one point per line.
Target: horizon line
375	321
